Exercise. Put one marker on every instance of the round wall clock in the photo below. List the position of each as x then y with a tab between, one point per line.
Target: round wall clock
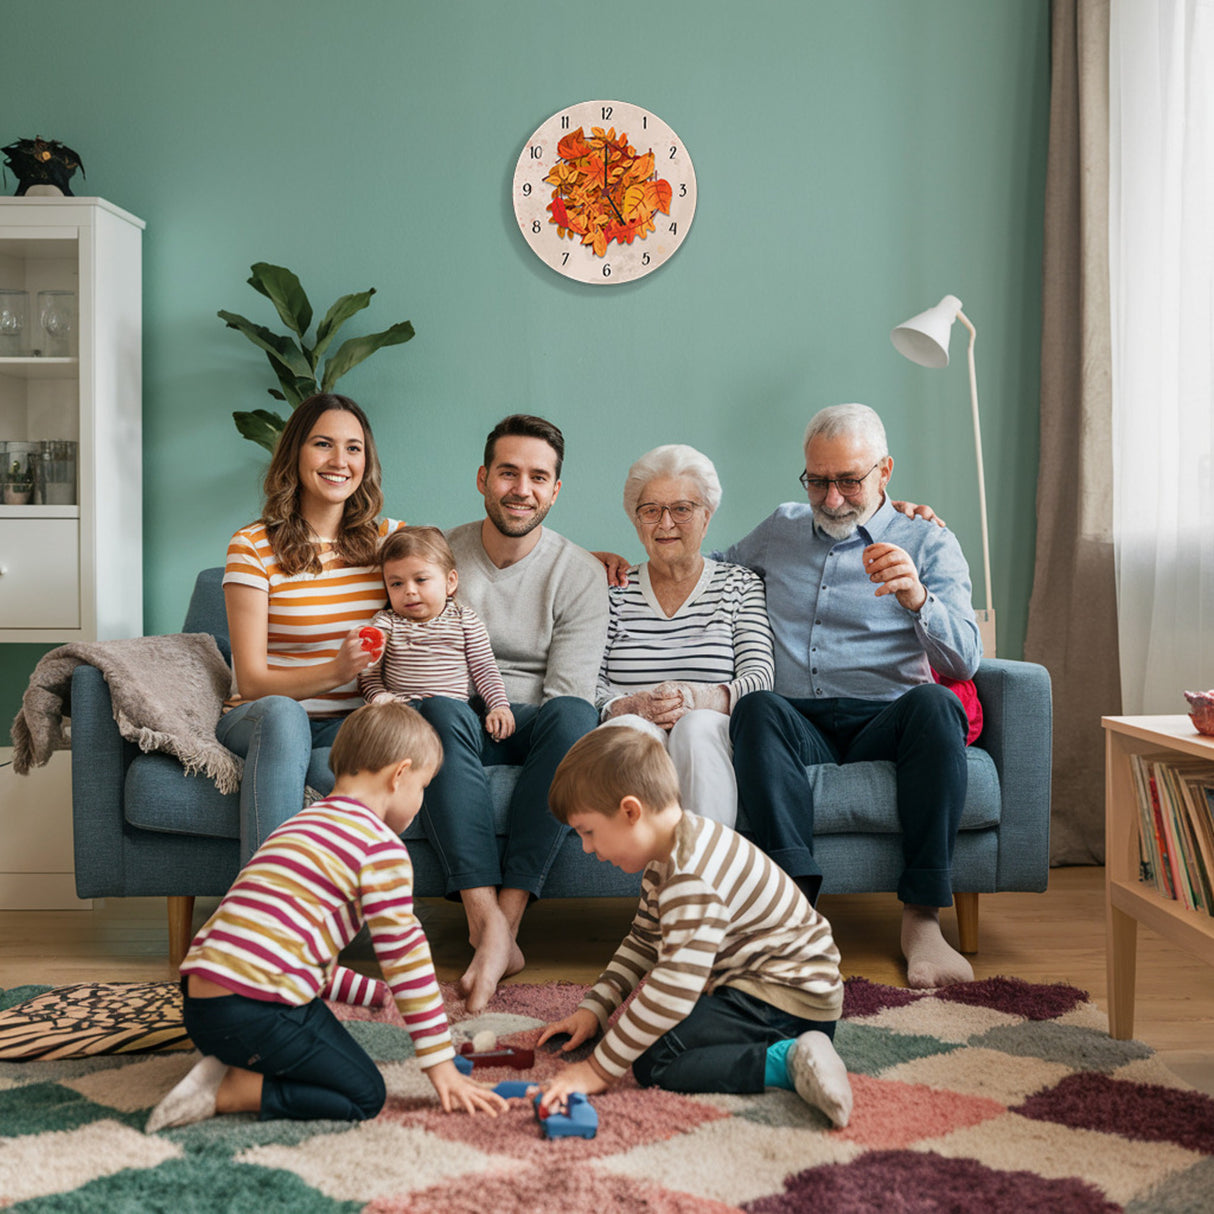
604	192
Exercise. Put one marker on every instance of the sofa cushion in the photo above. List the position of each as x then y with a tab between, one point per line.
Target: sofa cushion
158	795
861	798
857	798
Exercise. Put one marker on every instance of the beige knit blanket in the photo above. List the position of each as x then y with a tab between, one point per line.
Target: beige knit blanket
167	691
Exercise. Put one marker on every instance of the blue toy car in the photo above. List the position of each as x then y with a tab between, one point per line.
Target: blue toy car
579	1120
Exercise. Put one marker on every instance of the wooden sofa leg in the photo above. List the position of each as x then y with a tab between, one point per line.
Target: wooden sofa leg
181	919
967	921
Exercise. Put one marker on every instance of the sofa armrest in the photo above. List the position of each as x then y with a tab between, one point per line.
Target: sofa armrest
1017	732
100	757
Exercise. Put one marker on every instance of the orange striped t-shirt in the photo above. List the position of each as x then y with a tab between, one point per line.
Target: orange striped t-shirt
310	613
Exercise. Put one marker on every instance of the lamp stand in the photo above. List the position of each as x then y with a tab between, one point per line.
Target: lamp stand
986	619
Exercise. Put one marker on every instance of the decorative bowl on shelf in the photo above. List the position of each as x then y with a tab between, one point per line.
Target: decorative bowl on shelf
1201	710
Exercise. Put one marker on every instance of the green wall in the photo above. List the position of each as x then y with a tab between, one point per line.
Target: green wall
855	162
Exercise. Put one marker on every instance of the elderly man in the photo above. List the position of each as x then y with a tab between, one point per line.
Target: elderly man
864	603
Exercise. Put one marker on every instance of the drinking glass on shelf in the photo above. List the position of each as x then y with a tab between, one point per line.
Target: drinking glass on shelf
14	314
57	318
58	472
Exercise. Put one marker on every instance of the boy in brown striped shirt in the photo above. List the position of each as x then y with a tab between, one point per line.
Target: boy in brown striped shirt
743	988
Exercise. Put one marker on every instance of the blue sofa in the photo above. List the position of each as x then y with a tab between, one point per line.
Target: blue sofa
142	827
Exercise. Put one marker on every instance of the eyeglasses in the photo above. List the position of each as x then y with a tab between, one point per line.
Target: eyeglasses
681	513
847	485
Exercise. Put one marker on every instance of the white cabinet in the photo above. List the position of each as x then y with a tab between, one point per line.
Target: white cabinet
71	559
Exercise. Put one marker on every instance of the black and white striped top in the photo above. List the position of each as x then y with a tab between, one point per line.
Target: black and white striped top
719	635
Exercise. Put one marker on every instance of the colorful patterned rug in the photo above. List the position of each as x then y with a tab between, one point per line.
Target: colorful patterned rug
992	1096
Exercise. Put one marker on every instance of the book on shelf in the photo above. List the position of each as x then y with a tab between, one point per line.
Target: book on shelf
1175	797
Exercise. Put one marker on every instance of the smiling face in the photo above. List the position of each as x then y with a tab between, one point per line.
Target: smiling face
332	460
665	539
520	485
418	589
846	455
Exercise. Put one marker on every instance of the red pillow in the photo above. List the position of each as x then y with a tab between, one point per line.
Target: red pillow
967	693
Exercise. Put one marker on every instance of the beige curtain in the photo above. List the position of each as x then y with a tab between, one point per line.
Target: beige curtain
1072	626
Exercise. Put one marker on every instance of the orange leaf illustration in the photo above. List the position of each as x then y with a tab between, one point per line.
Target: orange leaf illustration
603	191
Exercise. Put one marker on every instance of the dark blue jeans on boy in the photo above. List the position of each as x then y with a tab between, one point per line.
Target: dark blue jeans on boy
721	1045
312	1067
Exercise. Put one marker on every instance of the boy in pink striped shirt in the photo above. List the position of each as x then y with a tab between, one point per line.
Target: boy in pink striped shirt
257	974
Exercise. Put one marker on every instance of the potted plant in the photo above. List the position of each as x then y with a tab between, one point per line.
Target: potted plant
294	361
18	484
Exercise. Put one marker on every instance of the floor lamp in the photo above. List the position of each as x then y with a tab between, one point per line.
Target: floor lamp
924	340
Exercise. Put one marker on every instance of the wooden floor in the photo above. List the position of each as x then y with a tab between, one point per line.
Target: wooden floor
1057	936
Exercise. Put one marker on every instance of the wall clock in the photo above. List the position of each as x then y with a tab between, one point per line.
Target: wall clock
604	192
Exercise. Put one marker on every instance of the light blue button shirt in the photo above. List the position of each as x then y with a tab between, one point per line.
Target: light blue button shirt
833	635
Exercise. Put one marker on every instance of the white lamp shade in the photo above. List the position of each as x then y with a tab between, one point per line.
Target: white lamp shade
924	338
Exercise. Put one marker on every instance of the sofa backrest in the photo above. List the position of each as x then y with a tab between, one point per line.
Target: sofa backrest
207	613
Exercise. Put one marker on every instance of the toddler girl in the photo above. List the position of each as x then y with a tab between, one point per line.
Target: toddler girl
432	644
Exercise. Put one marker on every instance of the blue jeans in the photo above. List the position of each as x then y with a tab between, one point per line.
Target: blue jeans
457	812
312	1067
923	731
283	749
721	1045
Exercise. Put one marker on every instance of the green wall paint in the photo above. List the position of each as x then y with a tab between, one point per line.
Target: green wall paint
855	163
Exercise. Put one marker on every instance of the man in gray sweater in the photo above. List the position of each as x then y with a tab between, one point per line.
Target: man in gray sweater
544	602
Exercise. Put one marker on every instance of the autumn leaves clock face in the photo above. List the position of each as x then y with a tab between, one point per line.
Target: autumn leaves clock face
604	192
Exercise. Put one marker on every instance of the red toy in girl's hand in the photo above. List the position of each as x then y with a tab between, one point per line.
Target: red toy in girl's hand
372	639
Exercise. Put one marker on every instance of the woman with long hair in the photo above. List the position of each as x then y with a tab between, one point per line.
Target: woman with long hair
298	585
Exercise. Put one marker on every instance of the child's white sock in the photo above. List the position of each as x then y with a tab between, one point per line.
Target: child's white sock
819	1076
193	1099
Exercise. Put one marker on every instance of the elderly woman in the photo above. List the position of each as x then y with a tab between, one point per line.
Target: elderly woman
687	636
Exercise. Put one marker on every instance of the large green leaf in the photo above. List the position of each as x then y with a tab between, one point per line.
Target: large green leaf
351	353
285	292
280	348
295	389
337	316
261	426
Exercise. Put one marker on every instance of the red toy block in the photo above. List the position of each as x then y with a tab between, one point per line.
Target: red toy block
506	1055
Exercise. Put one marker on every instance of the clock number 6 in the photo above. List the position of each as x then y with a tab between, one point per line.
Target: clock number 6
607	267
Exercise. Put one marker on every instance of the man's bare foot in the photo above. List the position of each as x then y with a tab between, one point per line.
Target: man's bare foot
497	956
930	960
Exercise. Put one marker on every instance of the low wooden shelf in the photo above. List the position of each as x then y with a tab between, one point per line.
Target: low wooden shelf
1129	901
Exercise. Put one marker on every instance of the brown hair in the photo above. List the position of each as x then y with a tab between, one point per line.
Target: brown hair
376	736
607	765
525	425
427	542
291	539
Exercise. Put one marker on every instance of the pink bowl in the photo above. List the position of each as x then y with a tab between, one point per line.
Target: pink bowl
1201	705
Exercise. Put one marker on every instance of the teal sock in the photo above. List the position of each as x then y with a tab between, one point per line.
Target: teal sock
776	1073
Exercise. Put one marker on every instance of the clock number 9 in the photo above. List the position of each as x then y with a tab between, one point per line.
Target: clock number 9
527	189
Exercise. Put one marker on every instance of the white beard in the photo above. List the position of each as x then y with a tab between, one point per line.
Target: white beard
837	528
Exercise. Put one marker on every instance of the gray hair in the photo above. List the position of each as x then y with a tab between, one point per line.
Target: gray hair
853	421
673	459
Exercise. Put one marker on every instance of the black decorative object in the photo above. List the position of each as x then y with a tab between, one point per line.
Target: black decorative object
42	162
